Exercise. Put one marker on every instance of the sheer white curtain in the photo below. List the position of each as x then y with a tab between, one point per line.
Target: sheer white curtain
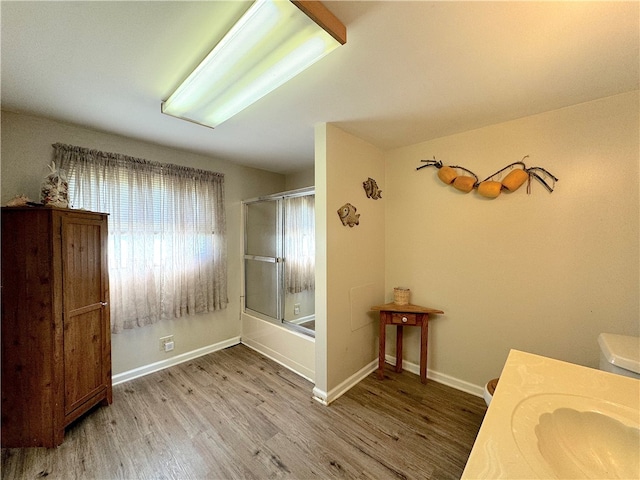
299	243
167	233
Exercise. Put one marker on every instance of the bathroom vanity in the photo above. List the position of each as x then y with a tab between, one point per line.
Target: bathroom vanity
553	419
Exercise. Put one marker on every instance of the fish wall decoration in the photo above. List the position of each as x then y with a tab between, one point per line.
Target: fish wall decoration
488	187
371	189
348	215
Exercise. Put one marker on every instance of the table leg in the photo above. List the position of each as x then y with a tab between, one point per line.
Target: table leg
399	335
424	337
381	354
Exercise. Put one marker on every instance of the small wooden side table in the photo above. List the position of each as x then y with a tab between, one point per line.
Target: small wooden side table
401	315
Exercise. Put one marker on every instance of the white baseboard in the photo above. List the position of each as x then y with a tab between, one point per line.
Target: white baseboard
326	398
170	362
456	383
319	395
283	360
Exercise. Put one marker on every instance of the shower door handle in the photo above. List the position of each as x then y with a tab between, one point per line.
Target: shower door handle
260	258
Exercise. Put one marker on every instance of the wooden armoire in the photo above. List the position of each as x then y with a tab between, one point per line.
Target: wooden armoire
56	335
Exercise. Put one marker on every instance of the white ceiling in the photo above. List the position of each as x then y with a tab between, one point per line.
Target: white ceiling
409	72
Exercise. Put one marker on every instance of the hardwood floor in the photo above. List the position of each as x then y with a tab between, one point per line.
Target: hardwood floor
235	414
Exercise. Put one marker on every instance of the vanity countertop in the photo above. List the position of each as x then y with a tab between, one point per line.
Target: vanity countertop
507	445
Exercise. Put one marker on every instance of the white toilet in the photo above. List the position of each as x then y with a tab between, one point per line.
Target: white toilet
489	390
620	354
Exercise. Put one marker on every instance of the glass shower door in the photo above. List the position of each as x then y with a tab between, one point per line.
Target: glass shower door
262	258
279	259
299	260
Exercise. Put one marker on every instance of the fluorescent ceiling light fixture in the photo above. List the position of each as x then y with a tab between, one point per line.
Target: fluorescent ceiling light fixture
272	42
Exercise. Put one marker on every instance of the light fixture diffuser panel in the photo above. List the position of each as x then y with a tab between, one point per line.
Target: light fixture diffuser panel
270	44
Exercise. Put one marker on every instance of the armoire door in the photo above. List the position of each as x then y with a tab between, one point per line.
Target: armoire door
85	316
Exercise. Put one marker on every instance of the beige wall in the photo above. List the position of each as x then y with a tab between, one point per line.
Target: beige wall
26	152
302	179
350	260
544	273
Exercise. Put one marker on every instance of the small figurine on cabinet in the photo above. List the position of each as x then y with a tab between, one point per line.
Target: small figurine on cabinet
19	201
55	188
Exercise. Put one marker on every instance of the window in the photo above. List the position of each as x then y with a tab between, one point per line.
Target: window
167	233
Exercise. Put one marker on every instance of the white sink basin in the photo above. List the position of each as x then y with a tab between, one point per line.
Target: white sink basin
572	436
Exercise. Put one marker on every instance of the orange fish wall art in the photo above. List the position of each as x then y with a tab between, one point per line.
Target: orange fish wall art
489	187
